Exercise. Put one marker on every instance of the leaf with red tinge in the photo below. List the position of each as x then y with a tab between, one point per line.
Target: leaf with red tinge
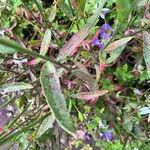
77	38
115	49
117	44
90	95
93	86
81	67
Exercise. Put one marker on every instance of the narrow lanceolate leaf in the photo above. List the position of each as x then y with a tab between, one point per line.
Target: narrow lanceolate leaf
146	50
45	44
6	50
117	43
13	87
46	124
90	95
77	38
115	49
54	97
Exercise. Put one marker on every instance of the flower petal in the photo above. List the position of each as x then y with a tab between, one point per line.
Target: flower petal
101	46
95	42
105	26
107	135
105	35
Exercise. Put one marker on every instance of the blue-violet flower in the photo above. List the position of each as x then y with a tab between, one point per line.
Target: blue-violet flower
101	46
104	31
105	27
95	42
107	135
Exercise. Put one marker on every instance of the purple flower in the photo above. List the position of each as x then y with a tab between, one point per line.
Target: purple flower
105	35
105	27
87	137
95	42
107	135
101	46
104	31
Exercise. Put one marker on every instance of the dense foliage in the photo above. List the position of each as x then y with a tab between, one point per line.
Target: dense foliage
74	74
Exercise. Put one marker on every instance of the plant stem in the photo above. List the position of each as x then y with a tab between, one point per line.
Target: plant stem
13	45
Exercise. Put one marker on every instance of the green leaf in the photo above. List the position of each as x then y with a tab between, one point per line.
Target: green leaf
6	50
80	116
15	3
65	8
144	75
124	8
117	44
123	74
115	54
46	124
45	44
54	97
77	38
13	45
17	86
51	13
46	41
116	49
85	54
81	7
128	122
146	50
